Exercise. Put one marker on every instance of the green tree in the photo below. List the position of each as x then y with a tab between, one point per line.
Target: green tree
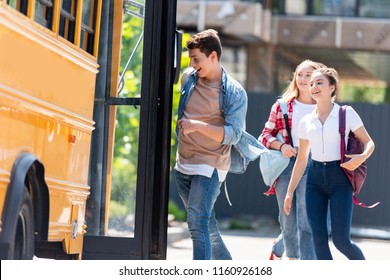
361	93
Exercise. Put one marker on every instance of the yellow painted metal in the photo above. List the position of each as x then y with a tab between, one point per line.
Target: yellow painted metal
31	9
97	30
56	16
79	17
47	88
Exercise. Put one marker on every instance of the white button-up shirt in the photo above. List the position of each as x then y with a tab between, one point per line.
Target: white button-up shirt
324	138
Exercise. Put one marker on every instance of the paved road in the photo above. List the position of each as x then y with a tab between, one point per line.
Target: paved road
252	245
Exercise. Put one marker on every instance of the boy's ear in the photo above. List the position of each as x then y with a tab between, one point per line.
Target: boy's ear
214	55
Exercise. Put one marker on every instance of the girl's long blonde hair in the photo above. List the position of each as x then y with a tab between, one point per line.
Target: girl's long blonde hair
292	90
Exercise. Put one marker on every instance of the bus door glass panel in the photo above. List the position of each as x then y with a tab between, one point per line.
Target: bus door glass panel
122	203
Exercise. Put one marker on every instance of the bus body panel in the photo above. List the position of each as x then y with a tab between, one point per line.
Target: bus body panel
46	107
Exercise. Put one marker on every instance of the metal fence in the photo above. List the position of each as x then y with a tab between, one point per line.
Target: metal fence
246	190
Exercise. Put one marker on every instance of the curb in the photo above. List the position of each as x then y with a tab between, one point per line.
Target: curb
177	232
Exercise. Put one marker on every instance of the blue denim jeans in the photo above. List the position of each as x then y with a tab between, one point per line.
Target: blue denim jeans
327	184
297	236
278	247
199	194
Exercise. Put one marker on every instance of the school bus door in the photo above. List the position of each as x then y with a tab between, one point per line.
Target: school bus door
147	238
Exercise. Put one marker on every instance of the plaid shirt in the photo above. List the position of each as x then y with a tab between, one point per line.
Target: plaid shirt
276	124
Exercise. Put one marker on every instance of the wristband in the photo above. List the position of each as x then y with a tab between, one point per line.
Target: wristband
280	148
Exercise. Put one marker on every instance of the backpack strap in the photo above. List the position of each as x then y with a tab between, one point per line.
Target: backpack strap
283	107
342	131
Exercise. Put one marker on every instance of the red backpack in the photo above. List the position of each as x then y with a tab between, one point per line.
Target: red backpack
354	146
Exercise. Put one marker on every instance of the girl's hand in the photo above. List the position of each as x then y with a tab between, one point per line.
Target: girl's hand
287	203
288	151
354	162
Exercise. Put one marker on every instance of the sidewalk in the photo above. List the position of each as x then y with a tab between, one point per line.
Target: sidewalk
256	245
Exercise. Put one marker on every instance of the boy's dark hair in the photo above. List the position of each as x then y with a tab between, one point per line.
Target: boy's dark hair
206	41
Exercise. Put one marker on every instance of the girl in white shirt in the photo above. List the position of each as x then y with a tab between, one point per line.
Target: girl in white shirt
296	237
327	183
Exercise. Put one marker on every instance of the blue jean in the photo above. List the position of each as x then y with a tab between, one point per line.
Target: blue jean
327	184
199	194
297	236
278	247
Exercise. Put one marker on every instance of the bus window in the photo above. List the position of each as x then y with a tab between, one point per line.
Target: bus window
20	5
68	19
44	12
88	25
73	20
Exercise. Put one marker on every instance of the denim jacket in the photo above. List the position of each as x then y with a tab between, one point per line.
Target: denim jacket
233	101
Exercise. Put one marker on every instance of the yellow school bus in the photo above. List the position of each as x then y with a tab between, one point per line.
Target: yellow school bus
60	70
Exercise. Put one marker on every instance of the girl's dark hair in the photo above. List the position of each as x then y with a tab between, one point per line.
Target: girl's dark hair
332	76
206	41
